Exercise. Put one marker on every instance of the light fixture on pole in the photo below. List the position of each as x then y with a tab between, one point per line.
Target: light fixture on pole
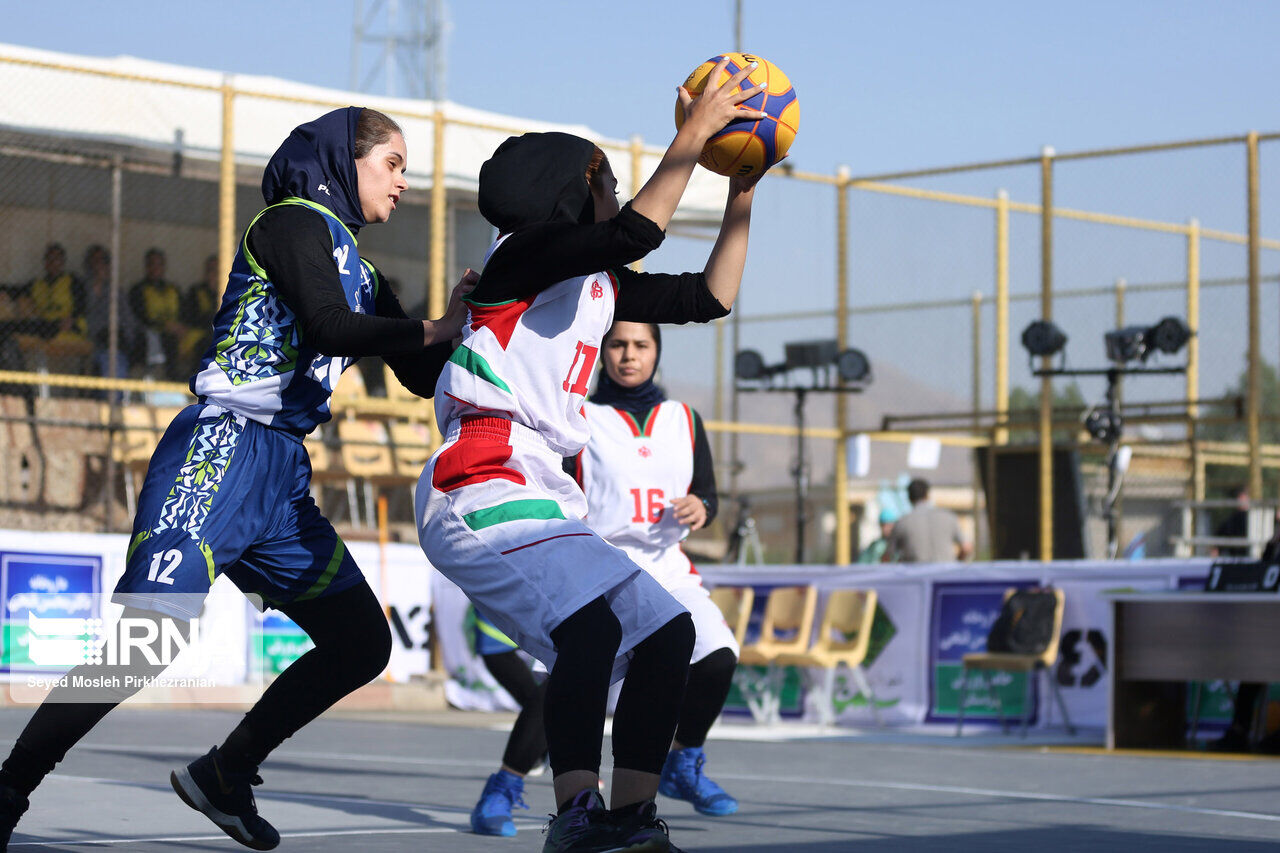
830	370
1105	423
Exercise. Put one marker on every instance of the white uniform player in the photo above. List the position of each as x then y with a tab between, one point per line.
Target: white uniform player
496	512
629	471
495	496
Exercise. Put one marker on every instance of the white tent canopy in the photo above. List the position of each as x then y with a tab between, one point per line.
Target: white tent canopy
135	102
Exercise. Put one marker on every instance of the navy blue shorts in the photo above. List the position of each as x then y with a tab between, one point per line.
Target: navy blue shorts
489	640
228	495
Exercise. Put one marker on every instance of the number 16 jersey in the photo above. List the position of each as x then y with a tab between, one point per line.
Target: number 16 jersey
531	359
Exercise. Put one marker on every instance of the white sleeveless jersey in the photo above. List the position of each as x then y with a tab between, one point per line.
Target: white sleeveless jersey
630	471
531	360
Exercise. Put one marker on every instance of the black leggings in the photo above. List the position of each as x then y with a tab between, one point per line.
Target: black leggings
527	744
709	683
577	691
353	645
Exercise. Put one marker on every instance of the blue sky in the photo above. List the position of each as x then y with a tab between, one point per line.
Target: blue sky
883	86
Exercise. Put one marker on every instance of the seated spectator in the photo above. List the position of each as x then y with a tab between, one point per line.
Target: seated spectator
55	298
52	306
97	288
157	304
927	534
198	307
1234	526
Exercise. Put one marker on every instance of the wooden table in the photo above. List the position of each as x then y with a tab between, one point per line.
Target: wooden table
1162	640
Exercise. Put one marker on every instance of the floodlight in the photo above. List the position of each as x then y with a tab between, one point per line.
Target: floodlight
749	364
1104	425
1127	344
1170	335
810	353
1043	338
852	365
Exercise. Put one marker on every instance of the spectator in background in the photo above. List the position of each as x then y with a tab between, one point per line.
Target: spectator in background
876	551
198	307
1235	525
157	304
55	298
927	534
97	289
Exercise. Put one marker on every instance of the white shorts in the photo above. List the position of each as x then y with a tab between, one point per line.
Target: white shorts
671	567
498	516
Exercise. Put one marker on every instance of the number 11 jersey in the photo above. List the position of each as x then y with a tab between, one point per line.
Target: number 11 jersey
531	359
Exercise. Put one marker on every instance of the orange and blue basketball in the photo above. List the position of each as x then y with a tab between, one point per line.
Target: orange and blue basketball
746	147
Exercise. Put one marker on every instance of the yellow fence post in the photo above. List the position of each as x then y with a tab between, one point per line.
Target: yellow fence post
1193	359
1254	403
977	404
844	543
637	175
436	296
1001	435
1046	385
227	185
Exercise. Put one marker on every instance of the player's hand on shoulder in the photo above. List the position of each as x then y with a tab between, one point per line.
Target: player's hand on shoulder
718	105
449	327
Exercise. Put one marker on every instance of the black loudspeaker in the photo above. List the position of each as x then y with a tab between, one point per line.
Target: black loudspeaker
1012	486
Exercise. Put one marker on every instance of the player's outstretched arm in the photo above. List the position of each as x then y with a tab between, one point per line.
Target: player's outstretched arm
705	116
729	256
449	326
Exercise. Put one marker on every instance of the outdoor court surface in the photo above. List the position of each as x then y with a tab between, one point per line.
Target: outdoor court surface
375	783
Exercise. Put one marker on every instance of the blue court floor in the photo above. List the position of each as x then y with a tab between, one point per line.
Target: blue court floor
390	783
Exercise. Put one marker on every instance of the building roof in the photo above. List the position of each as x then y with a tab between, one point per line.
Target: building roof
135	102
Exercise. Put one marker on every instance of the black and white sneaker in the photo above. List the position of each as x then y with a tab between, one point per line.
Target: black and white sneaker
226	798
12	807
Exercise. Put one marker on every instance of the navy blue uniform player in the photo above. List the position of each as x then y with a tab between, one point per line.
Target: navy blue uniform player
227	491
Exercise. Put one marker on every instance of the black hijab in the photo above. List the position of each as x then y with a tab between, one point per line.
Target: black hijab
317	162
637	400
538	177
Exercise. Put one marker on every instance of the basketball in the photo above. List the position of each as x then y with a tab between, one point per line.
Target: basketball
748	146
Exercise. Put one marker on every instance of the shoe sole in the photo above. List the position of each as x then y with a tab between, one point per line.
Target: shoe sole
189	792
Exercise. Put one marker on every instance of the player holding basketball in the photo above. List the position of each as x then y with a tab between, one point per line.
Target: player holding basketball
227	488
498	515
648	478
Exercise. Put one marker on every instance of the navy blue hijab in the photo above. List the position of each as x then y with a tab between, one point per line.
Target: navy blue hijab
317	162
638	400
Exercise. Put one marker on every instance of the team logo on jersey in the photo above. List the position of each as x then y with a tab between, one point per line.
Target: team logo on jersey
597	291
645	452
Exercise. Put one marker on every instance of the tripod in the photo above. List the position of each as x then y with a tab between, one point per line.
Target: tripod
744	539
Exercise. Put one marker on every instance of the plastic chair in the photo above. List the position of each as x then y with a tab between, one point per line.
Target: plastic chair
1031	664
366	456
788	624
844	635
735	604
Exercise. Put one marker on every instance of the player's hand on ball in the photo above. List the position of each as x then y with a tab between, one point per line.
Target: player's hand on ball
739	184
690	510
710	111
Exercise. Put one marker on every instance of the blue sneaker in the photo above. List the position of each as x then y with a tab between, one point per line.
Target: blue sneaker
682	779
492	815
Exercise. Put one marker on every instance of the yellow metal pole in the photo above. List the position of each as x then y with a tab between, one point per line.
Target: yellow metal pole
977	404
1046	386
1193	356
1254	403
436	296
227	186
637	175
844	543
1002	314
